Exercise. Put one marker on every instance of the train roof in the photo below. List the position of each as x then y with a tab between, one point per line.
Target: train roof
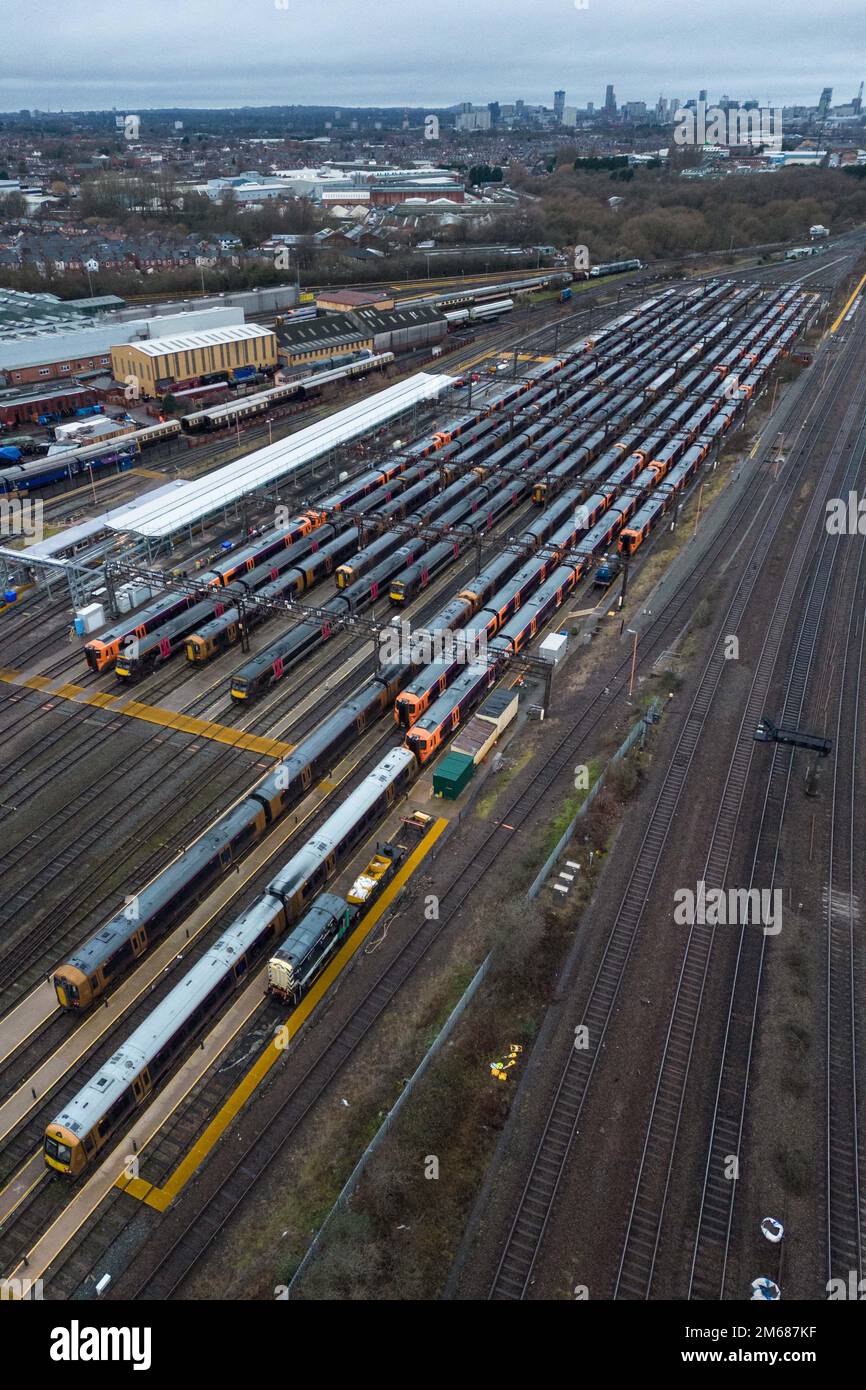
325	911
95	951
114	1076
335	828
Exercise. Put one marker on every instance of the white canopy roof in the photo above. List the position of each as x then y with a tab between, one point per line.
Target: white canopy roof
190	501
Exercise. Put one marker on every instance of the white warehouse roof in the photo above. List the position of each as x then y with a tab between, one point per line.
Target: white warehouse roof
210	337
193	500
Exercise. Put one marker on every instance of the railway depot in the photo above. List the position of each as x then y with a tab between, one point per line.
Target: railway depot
480	507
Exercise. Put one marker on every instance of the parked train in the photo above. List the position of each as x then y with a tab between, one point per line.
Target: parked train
121	452
89	1121
491	309
103	959
126	1081
219	417
101	653
613	268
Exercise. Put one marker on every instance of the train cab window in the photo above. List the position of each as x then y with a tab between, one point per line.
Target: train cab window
61	1152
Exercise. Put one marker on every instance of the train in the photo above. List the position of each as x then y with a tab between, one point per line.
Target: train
121	451
85	977
91	1118
231	412
492	309
126	1081
613	268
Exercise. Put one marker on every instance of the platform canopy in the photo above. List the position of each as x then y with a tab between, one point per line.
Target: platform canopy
192	501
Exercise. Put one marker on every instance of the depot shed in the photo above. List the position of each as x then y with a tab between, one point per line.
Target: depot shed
190	355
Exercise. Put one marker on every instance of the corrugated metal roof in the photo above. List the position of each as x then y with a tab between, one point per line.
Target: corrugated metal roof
200	497
384	320
211	337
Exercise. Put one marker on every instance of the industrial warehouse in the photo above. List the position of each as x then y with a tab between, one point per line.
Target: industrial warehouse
171	360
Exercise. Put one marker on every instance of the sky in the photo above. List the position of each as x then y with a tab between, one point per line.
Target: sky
140	54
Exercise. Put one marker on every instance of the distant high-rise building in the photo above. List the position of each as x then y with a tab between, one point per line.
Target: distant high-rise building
610	100
478	119
590	108
495	113
558	106
824	101
702	94
857	103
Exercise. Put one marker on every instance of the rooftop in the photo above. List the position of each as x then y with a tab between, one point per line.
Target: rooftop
211	337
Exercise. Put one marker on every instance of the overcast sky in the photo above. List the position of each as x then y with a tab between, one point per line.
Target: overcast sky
131	54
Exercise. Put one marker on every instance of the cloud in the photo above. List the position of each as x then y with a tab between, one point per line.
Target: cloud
422	52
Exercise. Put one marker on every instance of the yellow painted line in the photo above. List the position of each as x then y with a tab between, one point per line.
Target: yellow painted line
160	1198
756	446
100	699
840	320
21	589
205	728
153	714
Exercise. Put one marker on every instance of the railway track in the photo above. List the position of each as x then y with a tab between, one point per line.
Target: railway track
654	1183
192	1230
534	1206
411	963
32	1217
844	1042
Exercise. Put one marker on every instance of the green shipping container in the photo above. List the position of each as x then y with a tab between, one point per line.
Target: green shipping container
452	775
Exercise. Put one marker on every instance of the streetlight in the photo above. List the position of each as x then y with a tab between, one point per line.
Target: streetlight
631	631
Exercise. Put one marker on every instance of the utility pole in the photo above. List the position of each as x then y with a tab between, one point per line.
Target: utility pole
633	633
624	590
